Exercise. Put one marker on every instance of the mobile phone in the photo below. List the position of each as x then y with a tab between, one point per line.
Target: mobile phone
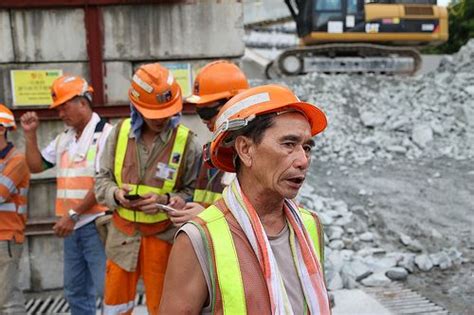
132	197
165	207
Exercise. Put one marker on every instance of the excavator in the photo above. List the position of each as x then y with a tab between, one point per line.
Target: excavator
361	36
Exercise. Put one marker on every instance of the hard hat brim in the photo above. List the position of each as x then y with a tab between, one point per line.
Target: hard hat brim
175	107
204	99
60	101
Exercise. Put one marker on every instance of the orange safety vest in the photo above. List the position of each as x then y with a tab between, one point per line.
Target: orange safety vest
13	208
76	178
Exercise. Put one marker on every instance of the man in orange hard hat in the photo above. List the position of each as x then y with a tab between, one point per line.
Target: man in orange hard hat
75	152
215	84
254	251
150	160
14	183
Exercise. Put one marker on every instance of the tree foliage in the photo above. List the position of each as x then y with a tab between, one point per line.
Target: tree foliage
461	27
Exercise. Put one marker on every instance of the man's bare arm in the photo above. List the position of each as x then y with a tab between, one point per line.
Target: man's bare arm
30	123
185	289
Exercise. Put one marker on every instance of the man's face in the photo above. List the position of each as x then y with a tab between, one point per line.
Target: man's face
156	125
280	161
71	112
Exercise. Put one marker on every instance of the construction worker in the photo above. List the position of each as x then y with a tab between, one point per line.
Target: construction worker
75	152
150	160
254	251
214	85
14	183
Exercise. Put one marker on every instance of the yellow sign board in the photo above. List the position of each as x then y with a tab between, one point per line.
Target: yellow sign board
32	87
183	74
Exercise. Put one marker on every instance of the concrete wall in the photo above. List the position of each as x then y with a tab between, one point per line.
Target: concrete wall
256	11
56	39
203	30
49	35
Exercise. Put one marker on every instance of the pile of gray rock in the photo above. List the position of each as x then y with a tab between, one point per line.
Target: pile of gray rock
355	253
385	117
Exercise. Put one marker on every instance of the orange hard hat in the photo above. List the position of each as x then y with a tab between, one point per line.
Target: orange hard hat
155	92
244	107
217	80
7	119
67	87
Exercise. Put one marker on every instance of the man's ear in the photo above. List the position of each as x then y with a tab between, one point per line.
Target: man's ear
244	148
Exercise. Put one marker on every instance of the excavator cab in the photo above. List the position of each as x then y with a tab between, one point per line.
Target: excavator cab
380	36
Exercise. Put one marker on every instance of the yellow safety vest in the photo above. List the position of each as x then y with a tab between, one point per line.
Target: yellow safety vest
206	196
168	185
227	262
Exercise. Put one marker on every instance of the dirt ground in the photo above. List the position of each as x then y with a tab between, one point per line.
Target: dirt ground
430	201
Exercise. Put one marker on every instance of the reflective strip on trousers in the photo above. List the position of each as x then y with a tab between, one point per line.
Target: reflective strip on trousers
7	182
227	262
312	228
206	196
24	192
72	193
168	185
119	308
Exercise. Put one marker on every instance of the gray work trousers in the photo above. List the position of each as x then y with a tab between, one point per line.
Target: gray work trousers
12	300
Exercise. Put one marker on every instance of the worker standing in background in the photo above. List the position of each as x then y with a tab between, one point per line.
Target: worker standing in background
215	84
254	251
14	183
75	152
150	160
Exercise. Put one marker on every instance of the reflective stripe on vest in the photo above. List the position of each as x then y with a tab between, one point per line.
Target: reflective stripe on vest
12	207
311	227
206	196
168	185
226	259
8	207
227	263
7	182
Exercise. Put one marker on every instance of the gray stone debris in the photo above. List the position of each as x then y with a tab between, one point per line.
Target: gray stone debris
407	261
376	280
411	244
422	117
422	135
441	259
424	262
336	244
381	117
353	258
397	273
367	237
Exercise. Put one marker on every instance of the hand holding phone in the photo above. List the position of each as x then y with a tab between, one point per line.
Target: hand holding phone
132	197
165	208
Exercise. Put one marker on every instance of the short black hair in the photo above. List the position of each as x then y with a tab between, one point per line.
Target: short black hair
255	130
87	97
